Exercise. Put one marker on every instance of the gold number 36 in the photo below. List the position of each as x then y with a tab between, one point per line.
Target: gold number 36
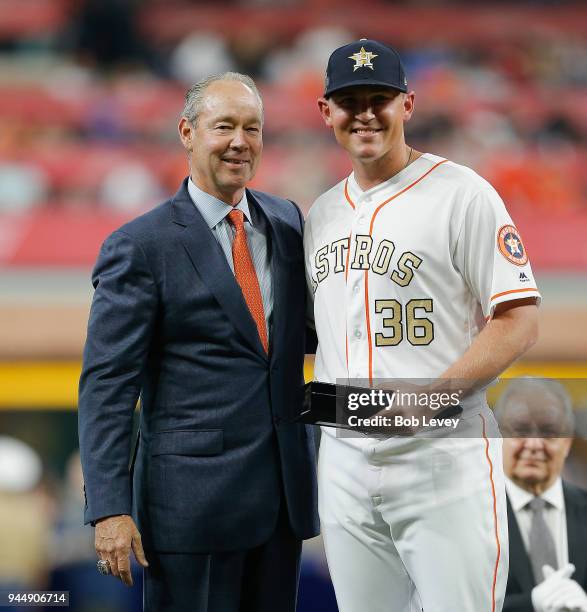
419	331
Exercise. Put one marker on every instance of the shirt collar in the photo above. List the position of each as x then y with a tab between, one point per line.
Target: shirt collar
519	498
212	209
554	496
398	180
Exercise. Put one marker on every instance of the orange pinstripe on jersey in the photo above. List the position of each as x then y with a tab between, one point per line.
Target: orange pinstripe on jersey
346	274
348	197
346	270
346	265
495	522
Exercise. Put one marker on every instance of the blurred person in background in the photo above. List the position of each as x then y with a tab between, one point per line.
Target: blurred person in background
199	308
546	515
25	518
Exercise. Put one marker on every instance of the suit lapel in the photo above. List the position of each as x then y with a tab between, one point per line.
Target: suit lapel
210	262
278	270
520	567
575	509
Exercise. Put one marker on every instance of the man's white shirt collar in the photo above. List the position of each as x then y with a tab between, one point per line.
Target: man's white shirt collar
399	180
214	210
519	498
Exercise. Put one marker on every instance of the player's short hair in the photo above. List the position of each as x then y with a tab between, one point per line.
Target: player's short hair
527	385
195	94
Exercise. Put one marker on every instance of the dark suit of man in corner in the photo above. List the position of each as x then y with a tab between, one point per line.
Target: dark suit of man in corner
199	308
546	515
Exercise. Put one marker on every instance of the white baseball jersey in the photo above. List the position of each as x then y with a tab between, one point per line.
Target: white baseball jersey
406	274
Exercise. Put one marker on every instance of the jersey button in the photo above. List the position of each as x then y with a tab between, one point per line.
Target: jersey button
362	220
356	288
358	333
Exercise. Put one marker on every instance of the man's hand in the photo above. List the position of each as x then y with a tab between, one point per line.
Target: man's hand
558	593
115	536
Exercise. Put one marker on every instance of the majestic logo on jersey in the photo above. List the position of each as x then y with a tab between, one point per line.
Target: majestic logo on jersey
363	58
523	278
510	245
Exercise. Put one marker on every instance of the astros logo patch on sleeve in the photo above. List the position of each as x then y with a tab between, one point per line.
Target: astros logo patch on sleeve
510	245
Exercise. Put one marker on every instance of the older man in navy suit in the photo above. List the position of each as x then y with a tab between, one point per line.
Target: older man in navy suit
199	309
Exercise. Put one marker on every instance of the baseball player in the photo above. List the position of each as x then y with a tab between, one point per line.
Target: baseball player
417	271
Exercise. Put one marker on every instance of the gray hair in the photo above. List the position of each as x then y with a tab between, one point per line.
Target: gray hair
194	96
534	384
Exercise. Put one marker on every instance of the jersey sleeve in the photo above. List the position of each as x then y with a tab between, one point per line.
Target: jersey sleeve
491	255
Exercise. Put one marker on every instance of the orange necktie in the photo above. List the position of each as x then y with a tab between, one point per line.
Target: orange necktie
245	274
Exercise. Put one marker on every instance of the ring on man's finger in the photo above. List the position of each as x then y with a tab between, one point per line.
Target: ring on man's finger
103	567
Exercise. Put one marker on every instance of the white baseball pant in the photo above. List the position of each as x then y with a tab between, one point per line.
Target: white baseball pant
413	524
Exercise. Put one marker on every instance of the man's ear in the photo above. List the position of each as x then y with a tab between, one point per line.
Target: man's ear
324	109
409	105
186	133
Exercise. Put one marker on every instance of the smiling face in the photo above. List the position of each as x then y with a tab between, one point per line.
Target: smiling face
225	144
533	455
368	121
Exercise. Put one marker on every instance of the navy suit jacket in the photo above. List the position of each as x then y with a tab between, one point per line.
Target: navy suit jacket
521	581
219	448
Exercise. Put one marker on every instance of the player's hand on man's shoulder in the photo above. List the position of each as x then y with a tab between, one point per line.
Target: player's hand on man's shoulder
115	537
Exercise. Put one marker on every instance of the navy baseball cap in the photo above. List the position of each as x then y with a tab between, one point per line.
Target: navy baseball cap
365	62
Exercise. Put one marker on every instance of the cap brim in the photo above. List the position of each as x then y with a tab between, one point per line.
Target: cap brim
363	82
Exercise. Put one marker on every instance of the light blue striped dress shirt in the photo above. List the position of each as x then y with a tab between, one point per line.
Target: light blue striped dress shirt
215	213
